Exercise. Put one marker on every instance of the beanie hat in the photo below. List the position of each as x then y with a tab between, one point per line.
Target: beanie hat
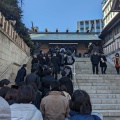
5	112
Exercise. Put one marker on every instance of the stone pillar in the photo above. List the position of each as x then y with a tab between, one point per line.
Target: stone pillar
10	29
3	22
95	25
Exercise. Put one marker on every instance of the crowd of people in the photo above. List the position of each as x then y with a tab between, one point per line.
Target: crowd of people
25	102
42	95
100	58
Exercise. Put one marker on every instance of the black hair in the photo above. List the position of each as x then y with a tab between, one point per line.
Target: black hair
33	70
63	88
26	94
63	73
4	90
80	102
11	94
24	65
4	82
55	85
117	54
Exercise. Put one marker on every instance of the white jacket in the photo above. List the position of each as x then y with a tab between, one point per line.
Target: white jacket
25	112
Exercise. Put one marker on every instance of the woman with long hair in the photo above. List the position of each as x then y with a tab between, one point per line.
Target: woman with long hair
116	60
81	108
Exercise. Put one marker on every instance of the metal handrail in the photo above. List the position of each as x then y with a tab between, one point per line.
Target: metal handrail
13	64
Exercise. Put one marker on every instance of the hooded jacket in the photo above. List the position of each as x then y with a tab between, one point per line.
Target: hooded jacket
76	116
25	112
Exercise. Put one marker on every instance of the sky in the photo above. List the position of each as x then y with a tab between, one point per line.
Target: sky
60	14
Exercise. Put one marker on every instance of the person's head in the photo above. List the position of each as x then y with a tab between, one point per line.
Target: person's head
5	112
34	56
26	94
11	94
54	54
4	82
4	90
102	54
63	73
55	86
69	53
24	65
33	70
49	72
45	67
95	52
40	51
117	54
63	88
80	102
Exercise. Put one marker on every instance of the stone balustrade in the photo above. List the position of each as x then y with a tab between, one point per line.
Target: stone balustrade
114	46
9	30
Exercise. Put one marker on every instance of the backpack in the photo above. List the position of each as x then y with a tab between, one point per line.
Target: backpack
69	60
67	70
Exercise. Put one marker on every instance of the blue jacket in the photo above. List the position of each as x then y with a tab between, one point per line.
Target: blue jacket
77	116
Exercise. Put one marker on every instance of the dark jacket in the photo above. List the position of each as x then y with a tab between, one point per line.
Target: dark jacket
68	83
20	75
34	60
68	71
103	64
77	116
95	59
46	83
55	62
33	78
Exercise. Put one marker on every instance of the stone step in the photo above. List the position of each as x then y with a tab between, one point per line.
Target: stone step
97	84
103	91
99	87
105	96
106	106
97	81
107	113
105	101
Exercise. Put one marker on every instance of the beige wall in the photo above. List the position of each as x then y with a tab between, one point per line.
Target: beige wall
10	52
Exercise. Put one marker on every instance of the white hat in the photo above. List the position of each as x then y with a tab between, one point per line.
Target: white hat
5	112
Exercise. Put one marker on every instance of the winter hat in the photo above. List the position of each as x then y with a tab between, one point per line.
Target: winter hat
5	112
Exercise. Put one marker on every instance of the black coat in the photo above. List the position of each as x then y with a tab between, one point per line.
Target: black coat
34	60
103	64
55	62
20	75
46	84
68	83
95	59
38	99
33	78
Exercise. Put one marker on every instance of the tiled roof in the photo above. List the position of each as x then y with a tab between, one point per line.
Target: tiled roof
57	36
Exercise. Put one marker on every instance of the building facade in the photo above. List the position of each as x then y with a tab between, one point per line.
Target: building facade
79	40
111	31
95	26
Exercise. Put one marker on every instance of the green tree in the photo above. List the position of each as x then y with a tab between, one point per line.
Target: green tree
11	10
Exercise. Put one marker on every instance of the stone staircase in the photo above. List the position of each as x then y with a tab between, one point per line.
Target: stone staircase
104	90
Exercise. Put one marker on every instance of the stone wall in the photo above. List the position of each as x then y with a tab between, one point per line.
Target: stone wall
13	51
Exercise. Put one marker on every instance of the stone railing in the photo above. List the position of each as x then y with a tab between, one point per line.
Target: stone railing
8	28
112	47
